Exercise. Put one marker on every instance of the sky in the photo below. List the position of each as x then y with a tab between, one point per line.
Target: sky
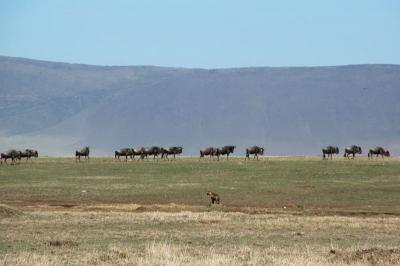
202	34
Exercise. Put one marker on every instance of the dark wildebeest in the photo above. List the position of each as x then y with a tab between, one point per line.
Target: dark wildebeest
25	154
330	150
171	151
33	153
353	149
83	152
138	151
13	154
226	150
28	154
209	151
378	151
123	152
254	150
154	150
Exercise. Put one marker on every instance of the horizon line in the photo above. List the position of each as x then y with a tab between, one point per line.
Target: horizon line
197	68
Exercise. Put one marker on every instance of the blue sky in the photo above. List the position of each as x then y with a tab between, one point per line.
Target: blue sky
206	33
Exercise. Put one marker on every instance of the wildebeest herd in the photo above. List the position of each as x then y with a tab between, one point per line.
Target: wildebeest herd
328	151
212	152
145	152
16	155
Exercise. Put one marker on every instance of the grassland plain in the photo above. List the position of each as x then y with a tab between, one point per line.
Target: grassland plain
275	211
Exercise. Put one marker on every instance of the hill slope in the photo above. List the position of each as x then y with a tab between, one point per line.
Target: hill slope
57	107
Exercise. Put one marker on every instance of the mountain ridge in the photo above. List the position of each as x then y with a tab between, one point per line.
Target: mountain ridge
290	110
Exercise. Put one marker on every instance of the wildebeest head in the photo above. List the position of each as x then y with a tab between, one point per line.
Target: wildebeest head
262	150
336	150
359	150
387	153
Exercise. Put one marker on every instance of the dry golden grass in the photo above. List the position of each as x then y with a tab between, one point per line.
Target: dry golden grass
48	237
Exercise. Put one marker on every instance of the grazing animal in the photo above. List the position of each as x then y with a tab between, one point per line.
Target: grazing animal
216	152
123	152
353	149
378	151
226	150
138	151
214	197
164	152
254	150
154	150
83	152
329	150
25	154
28	154
211	151
10	154
171	151
33	153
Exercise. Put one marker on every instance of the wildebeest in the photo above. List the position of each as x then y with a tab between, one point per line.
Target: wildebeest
154	150
13	154
33	153
226	150
123	152
171	151
254	150
28	154
353	149
378	151
329	150
83	152
209	151
138	151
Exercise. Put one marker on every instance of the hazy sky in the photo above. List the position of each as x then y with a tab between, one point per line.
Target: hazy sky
205	33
